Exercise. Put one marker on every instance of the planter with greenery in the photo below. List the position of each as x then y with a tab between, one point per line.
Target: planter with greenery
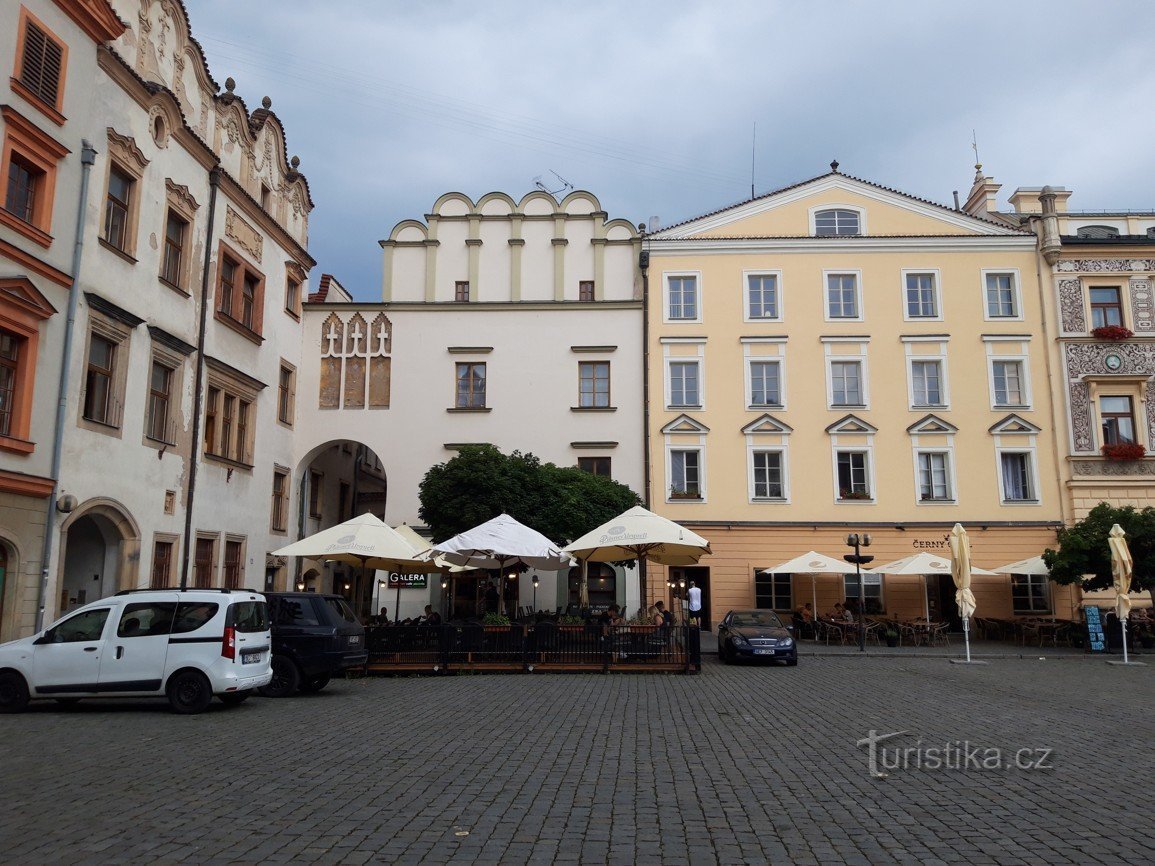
891	634
853	494
495	619
1112	332
1119	451
676	493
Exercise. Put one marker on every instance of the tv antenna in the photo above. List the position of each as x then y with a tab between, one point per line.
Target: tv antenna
565	184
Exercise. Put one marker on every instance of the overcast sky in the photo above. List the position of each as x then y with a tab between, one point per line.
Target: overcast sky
652	105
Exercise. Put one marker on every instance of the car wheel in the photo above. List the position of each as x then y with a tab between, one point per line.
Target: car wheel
234	698
286	678
189	692
13	693
315	684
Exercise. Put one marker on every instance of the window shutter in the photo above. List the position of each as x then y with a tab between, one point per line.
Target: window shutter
41	67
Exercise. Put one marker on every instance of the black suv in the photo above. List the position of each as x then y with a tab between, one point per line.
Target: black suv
314	637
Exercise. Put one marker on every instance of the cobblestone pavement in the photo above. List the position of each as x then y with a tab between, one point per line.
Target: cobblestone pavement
739	764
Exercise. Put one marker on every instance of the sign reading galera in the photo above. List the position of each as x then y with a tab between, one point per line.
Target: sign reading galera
406	581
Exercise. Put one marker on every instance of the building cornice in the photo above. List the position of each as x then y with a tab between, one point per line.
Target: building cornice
472	306
922	243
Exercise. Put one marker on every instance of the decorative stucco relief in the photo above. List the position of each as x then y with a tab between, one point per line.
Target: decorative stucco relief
1071	306
247	237
355	364
1142	310
178	196
123	148
1095	266
1107	467
1090	359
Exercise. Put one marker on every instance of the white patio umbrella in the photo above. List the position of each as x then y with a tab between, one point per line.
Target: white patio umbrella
1030	565
1121	570
636	534
922	564
423	546
960	568
814	564
501	542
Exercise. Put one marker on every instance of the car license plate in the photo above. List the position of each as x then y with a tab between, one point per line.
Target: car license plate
763	652
354	639
250	658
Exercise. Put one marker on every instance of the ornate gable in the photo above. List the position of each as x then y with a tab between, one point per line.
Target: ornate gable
685	424
21	293
931	424
852	424
767	424
1014	424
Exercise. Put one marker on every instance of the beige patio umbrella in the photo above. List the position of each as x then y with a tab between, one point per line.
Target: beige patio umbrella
637	534
922	564
814	564
1121	571
424	551
1030	565
960	570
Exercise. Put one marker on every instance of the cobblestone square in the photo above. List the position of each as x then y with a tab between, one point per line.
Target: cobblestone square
737	765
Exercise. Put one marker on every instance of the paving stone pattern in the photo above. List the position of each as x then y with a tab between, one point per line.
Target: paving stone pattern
742	764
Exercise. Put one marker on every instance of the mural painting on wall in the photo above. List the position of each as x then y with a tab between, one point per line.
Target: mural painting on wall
355	362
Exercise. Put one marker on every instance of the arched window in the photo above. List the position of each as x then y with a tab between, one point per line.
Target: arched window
836	222
1098	232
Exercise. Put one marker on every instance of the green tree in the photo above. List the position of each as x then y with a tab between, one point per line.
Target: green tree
1083	548
480	483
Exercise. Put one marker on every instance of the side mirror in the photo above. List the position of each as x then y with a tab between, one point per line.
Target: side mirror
43	639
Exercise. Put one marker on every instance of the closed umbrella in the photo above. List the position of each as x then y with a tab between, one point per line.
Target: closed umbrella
1121	569
814	564
960	570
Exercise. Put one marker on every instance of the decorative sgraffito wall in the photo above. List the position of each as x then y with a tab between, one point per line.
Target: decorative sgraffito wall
356	366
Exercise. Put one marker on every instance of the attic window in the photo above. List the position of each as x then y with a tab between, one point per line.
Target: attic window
830	223
1098	232
266	197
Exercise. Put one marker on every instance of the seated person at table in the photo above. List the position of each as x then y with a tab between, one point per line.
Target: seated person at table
850	611
667	616
806	612
613	616
654	616
380	619
836	613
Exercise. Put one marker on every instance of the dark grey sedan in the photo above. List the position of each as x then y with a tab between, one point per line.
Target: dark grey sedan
755	634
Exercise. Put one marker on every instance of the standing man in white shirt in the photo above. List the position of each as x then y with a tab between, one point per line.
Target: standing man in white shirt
694	593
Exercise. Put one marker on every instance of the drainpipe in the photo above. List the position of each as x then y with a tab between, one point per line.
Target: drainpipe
644	265
87	158
199	381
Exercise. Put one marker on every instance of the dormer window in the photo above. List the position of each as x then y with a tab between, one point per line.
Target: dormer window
836	222
1098	232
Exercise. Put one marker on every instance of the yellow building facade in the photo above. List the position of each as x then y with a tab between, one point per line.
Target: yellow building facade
840	357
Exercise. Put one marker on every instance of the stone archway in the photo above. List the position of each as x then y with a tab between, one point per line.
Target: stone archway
99	554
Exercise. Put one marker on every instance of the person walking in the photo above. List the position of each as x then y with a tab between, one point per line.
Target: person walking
694	594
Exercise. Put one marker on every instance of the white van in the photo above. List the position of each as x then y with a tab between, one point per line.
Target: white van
184	645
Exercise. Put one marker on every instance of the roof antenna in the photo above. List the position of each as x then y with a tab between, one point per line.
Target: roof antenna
975	148
753	145
565	184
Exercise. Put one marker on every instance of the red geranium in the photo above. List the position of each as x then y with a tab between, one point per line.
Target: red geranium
1112	332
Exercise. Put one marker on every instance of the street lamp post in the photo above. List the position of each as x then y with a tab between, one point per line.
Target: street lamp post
535	595
444	598
858	542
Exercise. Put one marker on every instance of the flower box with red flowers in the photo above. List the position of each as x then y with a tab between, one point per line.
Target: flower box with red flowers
1112	332
1124	451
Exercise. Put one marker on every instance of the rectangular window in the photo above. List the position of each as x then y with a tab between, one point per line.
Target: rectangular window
116	208
1118	420
684	390
685	474
1002	299
871	585
240	295
99	402
933	477
853	475
285	395
595	465
842	296
10	346
1018	485
1106	307
159	399
280	512
470	386
586	291
1030	593
227	284
212	402
24	180
293	297
316	493
762	296
227	427
682	297
1008	378
594	384
921	297
765	383
161	564
846	383
41	64
768	482
926	383
28	163
174	243
233	564
248	300
774	591
461	290
206	554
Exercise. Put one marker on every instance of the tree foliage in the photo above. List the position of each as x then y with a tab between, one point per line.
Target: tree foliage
1083	547
479	483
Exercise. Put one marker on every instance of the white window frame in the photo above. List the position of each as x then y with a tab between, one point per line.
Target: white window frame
951	478
1024	381
1032	454
944	382
754	448
746	315
872	489
843	272
1048	591
937	275
701	365
822	208
860	360
666	277
701	450
1014	272
749	386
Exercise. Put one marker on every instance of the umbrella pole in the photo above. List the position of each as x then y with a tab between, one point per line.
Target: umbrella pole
925	600
1123	626
814	597
397	603
967	636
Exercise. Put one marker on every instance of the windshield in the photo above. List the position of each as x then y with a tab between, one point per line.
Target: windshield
751	618
341	609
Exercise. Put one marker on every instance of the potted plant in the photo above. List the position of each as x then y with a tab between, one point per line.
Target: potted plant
682	493
1119	451
495	619
1111	332
890	632
853	494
